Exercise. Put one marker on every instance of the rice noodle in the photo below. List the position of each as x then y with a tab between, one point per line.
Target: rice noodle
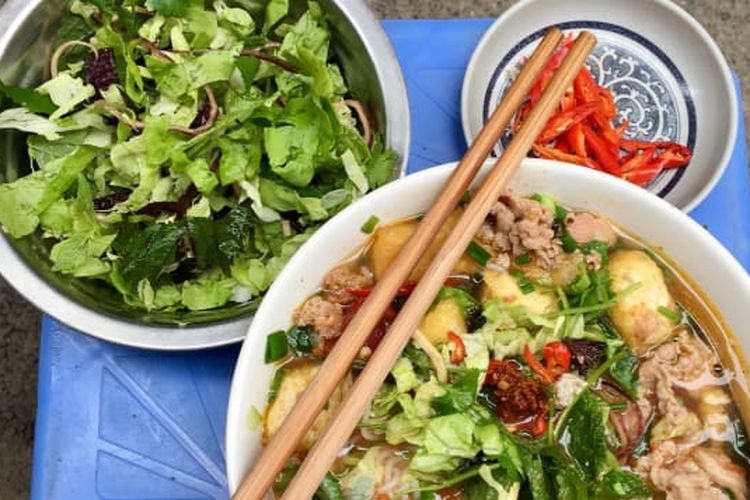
432	353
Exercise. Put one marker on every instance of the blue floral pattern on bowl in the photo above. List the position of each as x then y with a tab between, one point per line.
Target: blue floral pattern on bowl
649	90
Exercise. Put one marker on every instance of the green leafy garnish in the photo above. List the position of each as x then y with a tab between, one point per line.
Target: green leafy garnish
584	436
625	373
302	339
370	224
478	253
276	346
32	100
215	138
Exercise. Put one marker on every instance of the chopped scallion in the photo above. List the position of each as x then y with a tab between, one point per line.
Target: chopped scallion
524	284
276	346
466	197
671	315
478	253
369	226
522	259
569	244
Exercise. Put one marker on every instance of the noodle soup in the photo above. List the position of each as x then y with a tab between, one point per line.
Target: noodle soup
561	360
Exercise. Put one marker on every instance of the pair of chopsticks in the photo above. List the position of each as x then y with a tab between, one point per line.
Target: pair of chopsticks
339	361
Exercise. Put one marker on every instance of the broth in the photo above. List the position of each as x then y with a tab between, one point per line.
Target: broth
594	367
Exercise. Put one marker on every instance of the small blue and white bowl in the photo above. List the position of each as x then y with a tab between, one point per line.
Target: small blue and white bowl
669	79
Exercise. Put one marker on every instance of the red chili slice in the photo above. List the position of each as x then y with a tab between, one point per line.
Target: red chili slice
458	353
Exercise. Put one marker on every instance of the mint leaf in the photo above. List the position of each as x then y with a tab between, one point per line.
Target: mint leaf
585	434
30	99
145	252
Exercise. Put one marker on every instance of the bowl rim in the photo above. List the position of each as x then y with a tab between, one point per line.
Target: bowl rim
236	420
484	45
32	286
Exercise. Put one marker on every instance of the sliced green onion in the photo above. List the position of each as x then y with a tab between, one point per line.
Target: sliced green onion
671	315
560	213
276	346
478	253
465	198
569	243
545	200
524	284
369	226
522	259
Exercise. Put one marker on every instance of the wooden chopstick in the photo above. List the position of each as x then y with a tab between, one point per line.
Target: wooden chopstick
339	361
355	403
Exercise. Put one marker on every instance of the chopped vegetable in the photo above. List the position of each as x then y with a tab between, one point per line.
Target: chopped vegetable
276	346
478	253
582	131
370	224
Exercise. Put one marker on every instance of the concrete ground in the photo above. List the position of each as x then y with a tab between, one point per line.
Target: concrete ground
727	20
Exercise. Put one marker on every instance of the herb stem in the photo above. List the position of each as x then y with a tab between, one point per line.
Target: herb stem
453	481
592	378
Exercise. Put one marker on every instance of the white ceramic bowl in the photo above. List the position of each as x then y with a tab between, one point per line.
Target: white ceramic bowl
657	222
666	73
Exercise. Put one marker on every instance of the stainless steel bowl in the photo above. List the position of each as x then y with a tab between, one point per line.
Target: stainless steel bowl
27	30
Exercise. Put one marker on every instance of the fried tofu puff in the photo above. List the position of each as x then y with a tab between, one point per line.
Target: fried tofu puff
504	287
636	315
296	376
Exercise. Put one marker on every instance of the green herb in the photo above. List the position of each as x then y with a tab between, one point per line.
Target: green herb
32	100
419	360
454	480
146	251
369	226
524	284
478	253
584	435
276	346
673	316
273	390
621	484
329	489
599	247
459	395
465	198
560	214
569	244
302	339
537	479
625	373
125	17
522	259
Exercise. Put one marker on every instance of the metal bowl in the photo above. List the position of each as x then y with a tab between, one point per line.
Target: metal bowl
28	30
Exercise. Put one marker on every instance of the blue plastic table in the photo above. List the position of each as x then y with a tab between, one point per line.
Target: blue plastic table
122	423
